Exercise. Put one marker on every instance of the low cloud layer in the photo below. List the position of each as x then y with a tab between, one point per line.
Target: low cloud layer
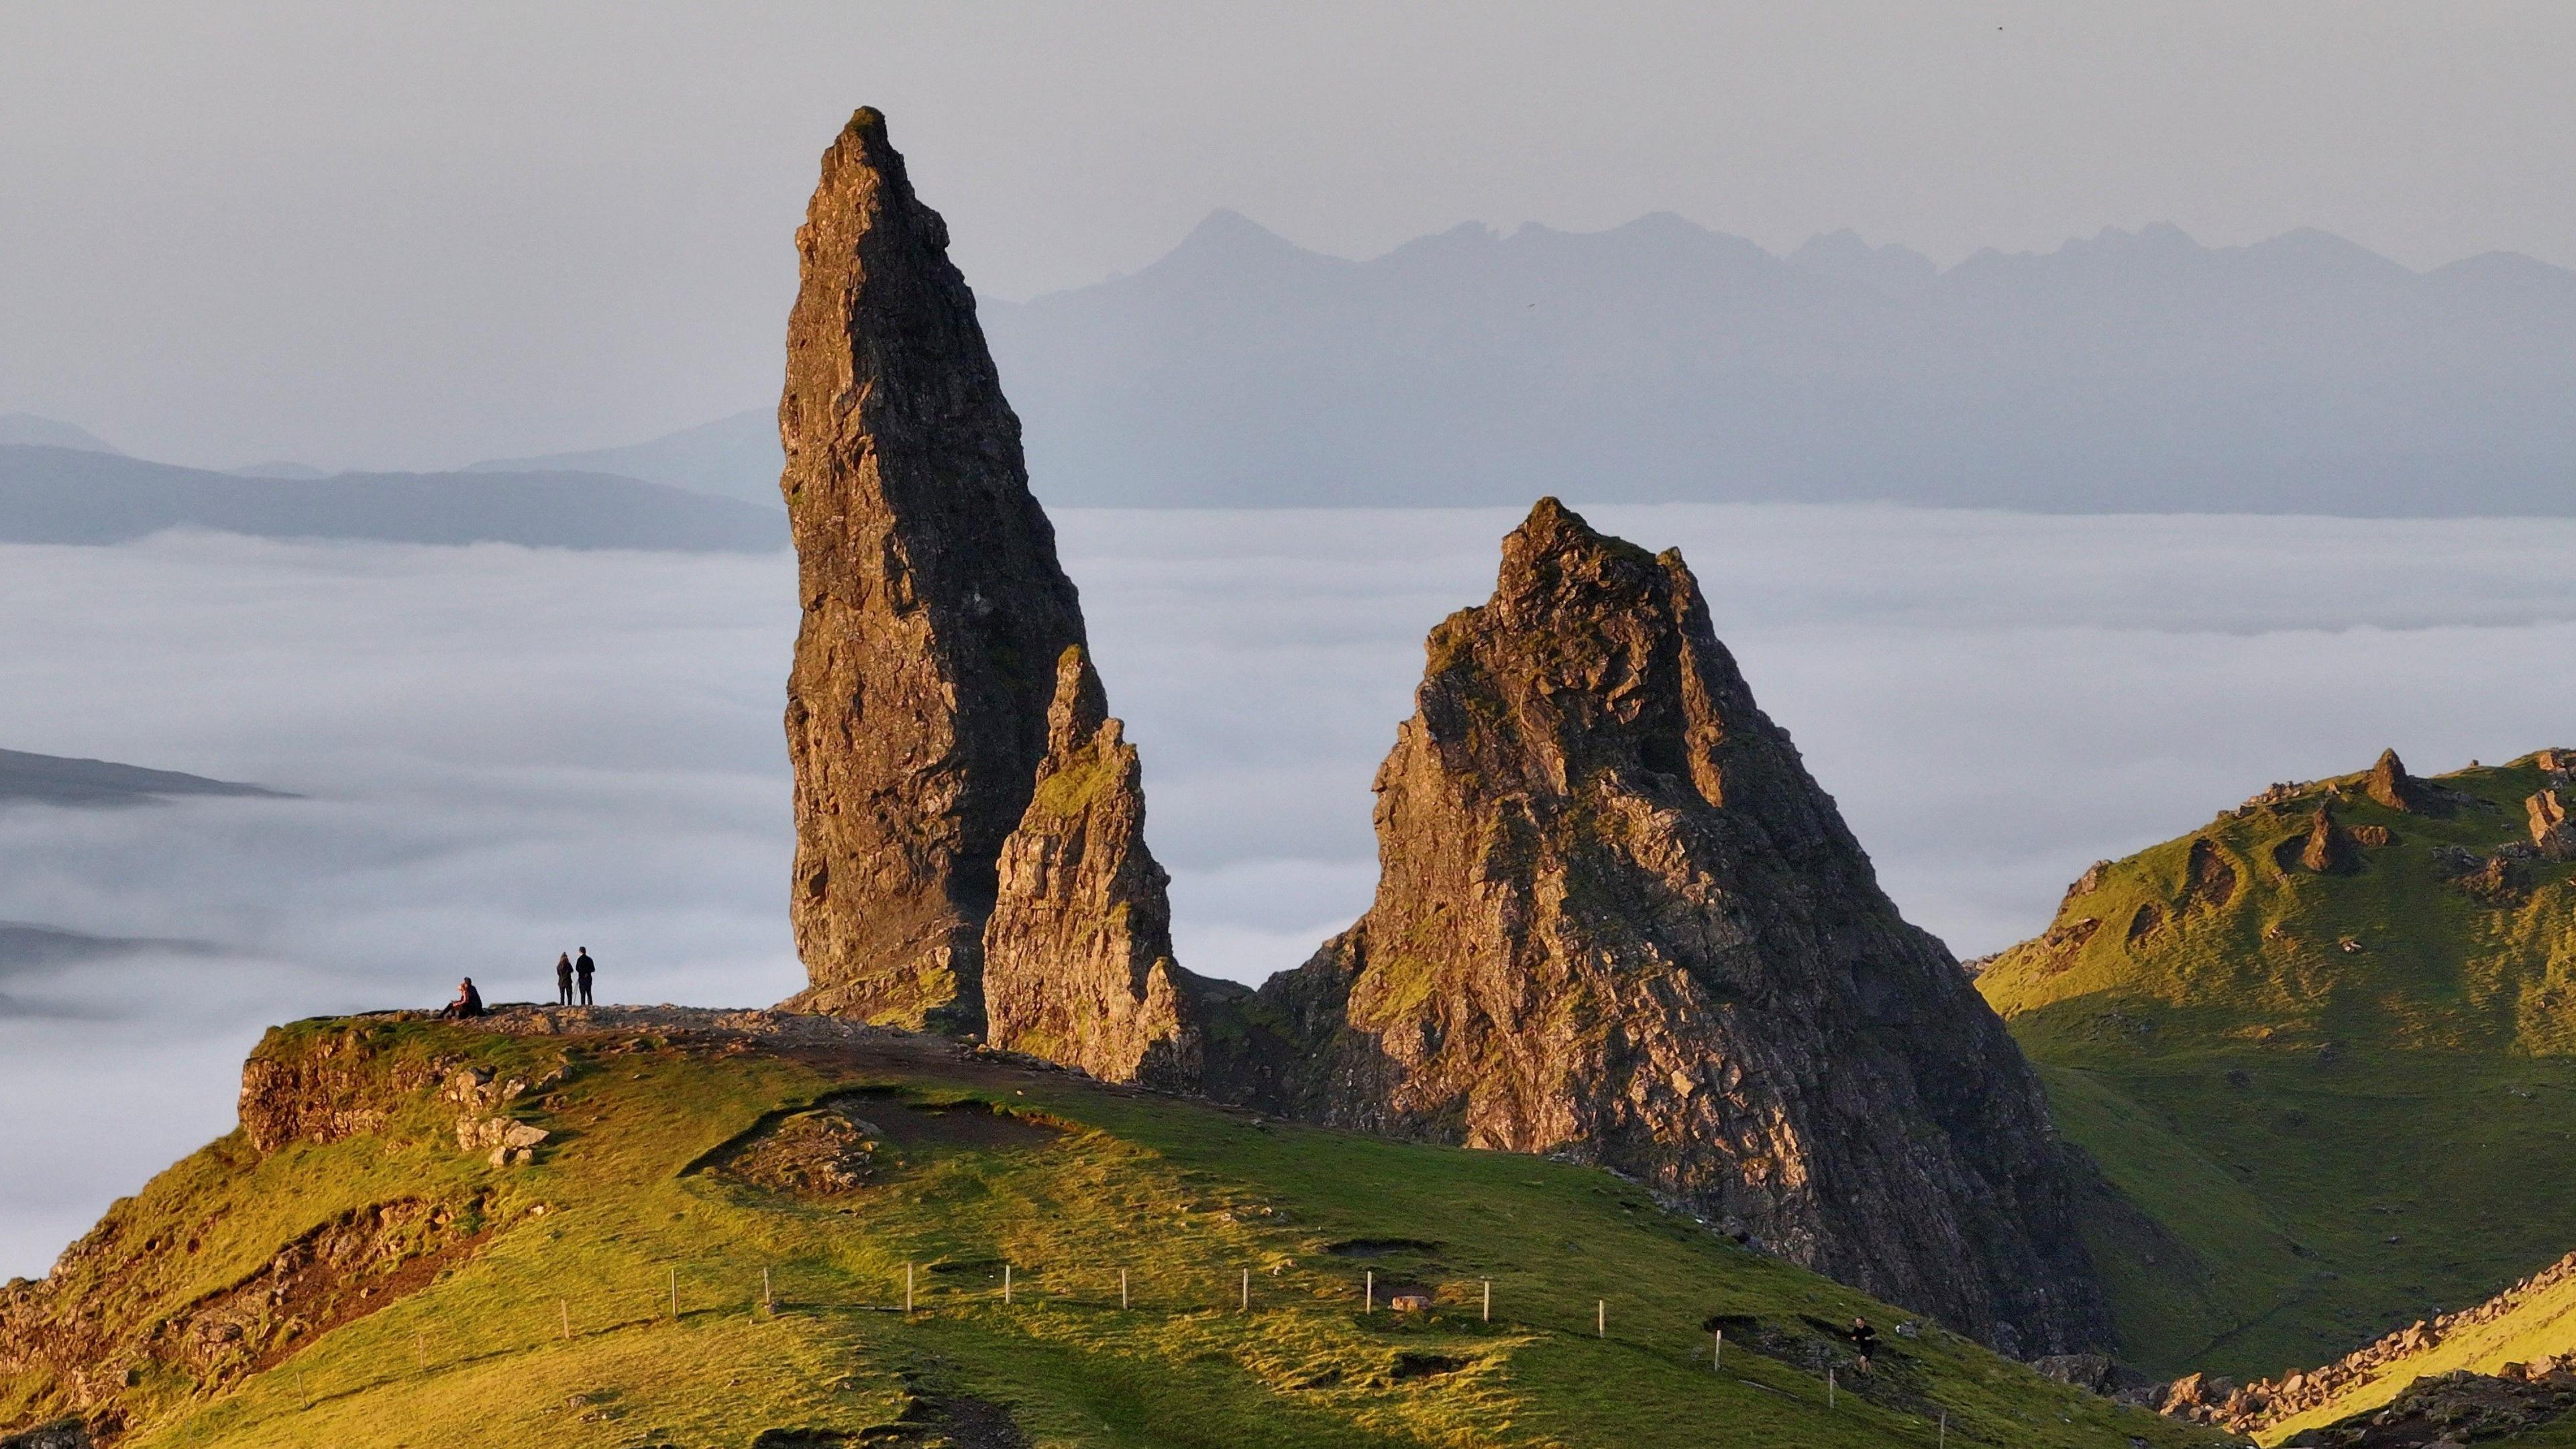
508	753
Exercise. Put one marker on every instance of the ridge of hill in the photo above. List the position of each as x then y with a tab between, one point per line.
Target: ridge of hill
2321	1048
623	1226
64	780
735	457
27	428
75	496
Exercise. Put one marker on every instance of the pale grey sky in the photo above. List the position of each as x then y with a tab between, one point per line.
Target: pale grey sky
418	234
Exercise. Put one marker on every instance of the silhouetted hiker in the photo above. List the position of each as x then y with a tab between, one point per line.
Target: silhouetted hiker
1864	1340
468	1002
563	979
585	968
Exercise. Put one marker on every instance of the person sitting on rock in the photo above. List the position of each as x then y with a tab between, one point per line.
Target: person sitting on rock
468	1002
583	965
1864	1341
563	978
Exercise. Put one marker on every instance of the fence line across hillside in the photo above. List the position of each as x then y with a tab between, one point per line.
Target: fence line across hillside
684	1294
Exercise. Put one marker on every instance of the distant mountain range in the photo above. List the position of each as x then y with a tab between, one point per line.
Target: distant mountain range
1661	361
78	496
736	457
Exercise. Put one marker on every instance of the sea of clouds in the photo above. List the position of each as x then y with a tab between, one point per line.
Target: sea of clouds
503	753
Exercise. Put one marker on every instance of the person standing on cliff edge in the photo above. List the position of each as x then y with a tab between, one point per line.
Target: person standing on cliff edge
584	967
563	979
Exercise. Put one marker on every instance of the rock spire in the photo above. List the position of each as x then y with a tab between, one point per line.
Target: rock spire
1617	919
1078	954
934	607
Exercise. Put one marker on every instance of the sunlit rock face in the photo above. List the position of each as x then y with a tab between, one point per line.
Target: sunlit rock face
1078	954
1617	920
934	607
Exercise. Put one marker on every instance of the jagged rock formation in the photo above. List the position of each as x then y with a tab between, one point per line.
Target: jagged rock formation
2551	835
2326	848
934	607
1078	954
1617	920
2391	786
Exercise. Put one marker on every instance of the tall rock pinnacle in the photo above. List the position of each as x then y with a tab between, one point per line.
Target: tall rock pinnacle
1078	954
1617	919
934	608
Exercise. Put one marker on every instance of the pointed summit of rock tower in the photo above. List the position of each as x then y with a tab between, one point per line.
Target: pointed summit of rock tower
934	607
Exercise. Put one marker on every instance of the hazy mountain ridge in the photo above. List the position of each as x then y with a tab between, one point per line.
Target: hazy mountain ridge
1657	361
733	457
61	495
1661	361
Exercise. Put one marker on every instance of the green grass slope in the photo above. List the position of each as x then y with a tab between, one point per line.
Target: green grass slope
372	1283
2328	1102
2527	1331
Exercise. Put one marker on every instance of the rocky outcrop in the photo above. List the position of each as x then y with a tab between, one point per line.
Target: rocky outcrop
2551	834
1618	921
2256	1406
2391	786
2326	849
1078	954
934	606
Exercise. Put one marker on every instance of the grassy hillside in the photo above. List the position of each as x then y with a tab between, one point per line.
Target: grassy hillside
362	1279
2525	1336
2331	1100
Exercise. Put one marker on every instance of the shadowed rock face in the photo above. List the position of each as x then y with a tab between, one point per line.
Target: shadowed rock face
934	608
1078	953
1616	919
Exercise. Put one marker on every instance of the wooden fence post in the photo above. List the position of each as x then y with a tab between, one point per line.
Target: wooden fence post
1247	1290
1122	1287
1370	1306
1489	1300
1006	1285
907	1288
1717	1353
